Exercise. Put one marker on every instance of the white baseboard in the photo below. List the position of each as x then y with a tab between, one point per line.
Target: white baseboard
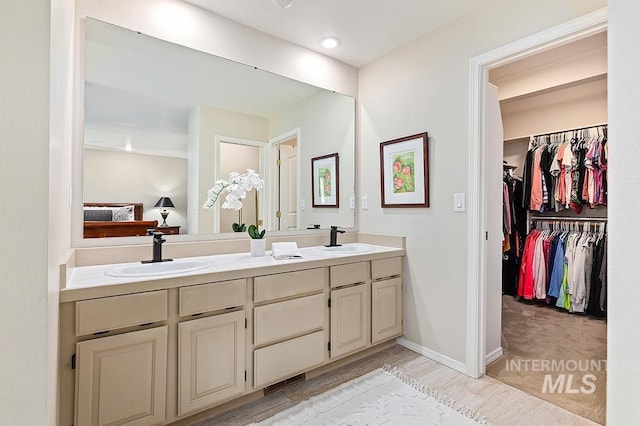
493	356
438	357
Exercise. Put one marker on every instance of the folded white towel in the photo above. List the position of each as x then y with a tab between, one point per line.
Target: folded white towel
285	250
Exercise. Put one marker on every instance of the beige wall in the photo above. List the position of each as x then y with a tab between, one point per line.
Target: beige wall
24	247
326	126
113	172
239	158
569	108
204	125
425	87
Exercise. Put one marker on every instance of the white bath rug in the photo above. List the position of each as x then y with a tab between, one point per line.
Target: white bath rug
383	397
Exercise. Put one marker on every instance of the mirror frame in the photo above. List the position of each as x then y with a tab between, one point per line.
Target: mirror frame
77	147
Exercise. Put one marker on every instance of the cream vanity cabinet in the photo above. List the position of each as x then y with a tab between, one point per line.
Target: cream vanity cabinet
121	379
289	324
350	308
211	350
386	299
159	351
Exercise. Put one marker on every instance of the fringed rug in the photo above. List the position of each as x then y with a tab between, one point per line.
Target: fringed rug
382	397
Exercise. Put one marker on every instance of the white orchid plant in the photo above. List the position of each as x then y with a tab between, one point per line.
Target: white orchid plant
236	187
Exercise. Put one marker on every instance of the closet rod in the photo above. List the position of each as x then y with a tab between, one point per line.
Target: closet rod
568	219
571	130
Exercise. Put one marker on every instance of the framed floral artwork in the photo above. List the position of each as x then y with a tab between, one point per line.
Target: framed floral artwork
325	185
404	172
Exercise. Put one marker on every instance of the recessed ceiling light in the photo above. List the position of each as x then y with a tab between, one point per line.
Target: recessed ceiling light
283	3
330	42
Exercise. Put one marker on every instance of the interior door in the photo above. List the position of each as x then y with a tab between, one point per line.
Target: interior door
288	207
493	221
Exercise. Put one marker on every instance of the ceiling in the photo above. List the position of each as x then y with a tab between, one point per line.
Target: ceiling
368	29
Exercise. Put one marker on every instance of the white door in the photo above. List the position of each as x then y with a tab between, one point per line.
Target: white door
493	220
288	187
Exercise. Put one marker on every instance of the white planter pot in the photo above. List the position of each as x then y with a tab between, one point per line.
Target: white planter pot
258	247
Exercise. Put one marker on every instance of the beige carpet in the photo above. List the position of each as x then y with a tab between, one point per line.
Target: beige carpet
554	355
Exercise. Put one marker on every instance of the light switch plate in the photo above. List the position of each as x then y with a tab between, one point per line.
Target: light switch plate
302	204
459	202
365	202
352	203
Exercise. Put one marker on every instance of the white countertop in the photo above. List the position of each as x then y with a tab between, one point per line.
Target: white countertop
222	266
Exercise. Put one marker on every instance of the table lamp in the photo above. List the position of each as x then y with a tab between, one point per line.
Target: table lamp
164	203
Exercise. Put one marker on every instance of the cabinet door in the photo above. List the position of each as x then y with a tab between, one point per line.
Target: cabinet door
211	361
350	316
386	309
122	379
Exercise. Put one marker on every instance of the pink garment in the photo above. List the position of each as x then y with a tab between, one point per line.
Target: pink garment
525	280
536	182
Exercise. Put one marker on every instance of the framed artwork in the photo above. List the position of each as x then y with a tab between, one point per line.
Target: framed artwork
324	181
404	172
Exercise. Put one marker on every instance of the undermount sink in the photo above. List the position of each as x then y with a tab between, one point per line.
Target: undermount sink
156	269
347	249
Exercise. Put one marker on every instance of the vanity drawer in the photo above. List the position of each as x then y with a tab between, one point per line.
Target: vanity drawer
278	286
212	297
110	313
283	360
351	273
282	320
383	268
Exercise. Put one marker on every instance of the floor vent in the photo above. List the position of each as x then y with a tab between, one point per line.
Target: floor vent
283	384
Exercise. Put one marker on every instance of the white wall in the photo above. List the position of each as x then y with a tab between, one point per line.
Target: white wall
425	87
113	172
623	339
24	173
60	138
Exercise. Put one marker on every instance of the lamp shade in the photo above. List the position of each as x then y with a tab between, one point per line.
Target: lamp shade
164	202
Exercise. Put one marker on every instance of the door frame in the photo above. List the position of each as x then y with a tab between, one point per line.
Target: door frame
273	172
477	205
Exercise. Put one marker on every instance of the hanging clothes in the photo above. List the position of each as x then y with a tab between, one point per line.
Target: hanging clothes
514	229
565	267
566	170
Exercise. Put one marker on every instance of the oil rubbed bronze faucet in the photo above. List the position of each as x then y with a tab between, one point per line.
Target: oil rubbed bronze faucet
333	238
158	240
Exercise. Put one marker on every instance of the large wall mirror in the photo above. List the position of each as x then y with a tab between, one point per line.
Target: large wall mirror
164	120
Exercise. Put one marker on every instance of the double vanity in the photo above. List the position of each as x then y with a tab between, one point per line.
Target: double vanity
150	344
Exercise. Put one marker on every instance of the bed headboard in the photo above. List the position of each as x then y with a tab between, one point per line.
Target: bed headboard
137	207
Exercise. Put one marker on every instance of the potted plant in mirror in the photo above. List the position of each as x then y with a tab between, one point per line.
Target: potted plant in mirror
239	227
236	186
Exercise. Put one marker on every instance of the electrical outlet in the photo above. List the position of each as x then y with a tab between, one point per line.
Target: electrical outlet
365	202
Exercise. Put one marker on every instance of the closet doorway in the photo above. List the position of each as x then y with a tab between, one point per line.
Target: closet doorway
553	312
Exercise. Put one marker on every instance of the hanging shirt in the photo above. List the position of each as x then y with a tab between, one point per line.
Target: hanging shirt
558	270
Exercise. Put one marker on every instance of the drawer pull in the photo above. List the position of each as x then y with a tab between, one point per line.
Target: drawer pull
145	324
196	315
97	333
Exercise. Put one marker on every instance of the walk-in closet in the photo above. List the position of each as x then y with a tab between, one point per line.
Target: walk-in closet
554	222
